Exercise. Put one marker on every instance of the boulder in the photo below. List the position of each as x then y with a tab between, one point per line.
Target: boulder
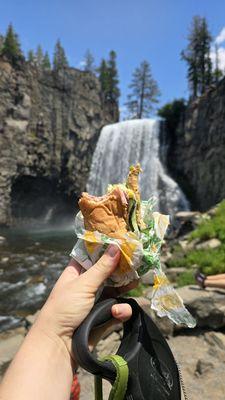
207	306
208	244
173	273
9	344
2	240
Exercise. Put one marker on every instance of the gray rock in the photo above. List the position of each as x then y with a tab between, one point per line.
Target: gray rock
209	244
9	345
173	273
49	125
2	240
207	306
196	156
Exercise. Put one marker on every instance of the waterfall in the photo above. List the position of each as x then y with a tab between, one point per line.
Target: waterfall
125	143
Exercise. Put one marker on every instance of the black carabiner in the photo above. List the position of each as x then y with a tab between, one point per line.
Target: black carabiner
153	373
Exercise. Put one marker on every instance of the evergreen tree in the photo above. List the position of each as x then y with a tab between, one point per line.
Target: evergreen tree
104	79
89	62
197	57
218	74
144	92
39	56
59	60
11	46
113	81
46	64
30	56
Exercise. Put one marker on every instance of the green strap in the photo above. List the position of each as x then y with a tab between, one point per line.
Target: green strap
120	384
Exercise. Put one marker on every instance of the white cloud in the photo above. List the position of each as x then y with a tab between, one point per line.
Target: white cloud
221	57
81	64
221	37
219	42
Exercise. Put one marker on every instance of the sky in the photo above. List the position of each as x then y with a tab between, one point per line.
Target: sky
137	30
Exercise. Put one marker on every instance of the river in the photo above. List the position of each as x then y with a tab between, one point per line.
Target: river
31	260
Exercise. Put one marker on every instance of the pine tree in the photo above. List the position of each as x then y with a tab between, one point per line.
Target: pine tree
11	46
197	57
46	64
144	92
89	62
114	92
59	60
39	56
30	56
104	79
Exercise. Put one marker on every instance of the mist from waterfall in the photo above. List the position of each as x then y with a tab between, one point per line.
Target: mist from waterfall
125	143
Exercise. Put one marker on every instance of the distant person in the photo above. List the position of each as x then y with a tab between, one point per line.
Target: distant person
44	366
213	281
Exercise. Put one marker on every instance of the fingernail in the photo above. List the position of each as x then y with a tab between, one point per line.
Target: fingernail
115	310
112	250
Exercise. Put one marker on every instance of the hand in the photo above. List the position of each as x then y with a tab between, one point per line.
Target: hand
73	297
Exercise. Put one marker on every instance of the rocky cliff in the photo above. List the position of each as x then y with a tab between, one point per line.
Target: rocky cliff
196	156
49	125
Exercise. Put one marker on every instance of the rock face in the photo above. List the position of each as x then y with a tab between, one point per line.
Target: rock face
49	126
196	156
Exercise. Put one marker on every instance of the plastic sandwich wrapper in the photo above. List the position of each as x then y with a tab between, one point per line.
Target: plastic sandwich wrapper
141	251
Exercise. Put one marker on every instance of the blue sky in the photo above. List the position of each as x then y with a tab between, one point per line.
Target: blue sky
135	29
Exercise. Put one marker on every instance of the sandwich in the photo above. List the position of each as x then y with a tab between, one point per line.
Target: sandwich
118	211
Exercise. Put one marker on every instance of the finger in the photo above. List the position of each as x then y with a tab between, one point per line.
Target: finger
105	266
121	312
76	267
72	271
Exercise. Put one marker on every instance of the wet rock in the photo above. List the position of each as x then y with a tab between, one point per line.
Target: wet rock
9	322
4	260
2	240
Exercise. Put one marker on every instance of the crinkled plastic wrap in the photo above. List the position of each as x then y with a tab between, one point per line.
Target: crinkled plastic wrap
140	252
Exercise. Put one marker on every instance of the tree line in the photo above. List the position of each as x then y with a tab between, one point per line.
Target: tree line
143	90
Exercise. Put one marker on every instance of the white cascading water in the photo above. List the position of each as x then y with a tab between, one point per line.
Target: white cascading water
125	143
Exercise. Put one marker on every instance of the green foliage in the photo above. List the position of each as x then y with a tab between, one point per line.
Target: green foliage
186	278
39	56
46	64
11	46
89	61
137	292
172	113
213	227
144	92
108	78
209	261
30	56
197	56
59	59
114	92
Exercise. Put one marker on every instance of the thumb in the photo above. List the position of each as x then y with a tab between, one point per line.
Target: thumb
104	267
